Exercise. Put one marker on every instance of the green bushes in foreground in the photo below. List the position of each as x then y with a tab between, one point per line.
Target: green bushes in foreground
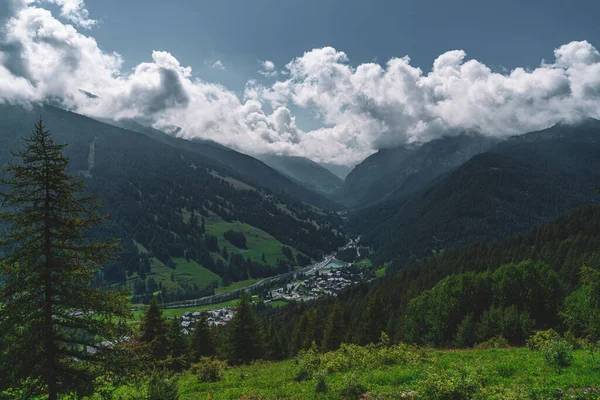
391	373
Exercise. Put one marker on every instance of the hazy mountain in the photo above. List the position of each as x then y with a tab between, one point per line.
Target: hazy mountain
399	171
305	171
521	182
340	170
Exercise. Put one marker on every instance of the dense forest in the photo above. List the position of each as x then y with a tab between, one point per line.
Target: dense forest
507	288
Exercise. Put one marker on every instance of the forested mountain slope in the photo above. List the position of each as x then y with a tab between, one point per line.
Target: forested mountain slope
521	182
395	173
508	288
173	208
254	171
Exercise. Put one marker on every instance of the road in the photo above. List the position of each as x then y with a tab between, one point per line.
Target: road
221	297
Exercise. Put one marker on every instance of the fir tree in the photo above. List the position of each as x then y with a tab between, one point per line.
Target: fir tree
153	331
178	345
334	330
202	342
374	320
51	311
245	339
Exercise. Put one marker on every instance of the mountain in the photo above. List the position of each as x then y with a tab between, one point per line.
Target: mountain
396	172
254	171
188	223
519	183
340	170
305	171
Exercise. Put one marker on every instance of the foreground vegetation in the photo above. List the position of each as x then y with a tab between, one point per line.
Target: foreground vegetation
395	372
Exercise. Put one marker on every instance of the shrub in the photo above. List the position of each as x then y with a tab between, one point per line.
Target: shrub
162	386
208	369
306	363
452	385
497	342
541	339
320	382
351	387
558	354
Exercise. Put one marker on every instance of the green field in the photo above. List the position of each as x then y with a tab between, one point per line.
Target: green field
258	241
236	286
515	373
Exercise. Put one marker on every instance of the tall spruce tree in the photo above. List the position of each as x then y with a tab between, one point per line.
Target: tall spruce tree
334	330
374	320
202	342
245	337
178	345
55	321
153	331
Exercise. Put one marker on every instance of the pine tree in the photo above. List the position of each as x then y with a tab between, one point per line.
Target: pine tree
178	345
334	330
374	320
153	331
245	339
202	342
51	310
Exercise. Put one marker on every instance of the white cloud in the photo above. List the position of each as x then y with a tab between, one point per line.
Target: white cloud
73	11
218	65
268	69
362	107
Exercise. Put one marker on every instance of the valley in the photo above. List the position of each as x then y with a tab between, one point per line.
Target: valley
272	200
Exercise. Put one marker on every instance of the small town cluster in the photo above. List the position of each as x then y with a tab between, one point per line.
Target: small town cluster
325	278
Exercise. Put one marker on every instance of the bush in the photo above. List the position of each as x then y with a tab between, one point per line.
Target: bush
208	369
558	353
541	339
497	342
452	385
351	387
320	382
306	363
162	386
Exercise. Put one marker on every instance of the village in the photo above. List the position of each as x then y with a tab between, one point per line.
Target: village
325	278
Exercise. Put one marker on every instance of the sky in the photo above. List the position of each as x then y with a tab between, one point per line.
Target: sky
332	80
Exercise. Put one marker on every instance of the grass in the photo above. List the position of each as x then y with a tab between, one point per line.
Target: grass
515	373
191	272
236	286
380	272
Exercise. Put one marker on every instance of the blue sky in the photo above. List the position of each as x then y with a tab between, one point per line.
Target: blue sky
341	87
239	32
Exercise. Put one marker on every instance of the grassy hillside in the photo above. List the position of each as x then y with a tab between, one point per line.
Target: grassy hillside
513	373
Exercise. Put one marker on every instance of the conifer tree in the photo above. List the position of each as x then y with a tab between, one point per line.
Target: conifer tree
153	331
374	320
178	345
202	342
334	330
245	339
51	312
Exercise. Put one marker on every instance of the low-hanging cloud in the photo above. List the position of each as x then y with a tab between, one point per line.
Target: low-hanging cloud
362	108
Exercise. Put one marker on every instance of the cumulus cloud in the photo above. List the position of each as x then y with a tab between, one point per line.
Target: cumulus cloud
218	65
361	107
268	69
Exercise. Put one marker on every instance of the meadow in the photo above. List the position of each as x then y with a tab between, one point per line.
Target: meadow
398	372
